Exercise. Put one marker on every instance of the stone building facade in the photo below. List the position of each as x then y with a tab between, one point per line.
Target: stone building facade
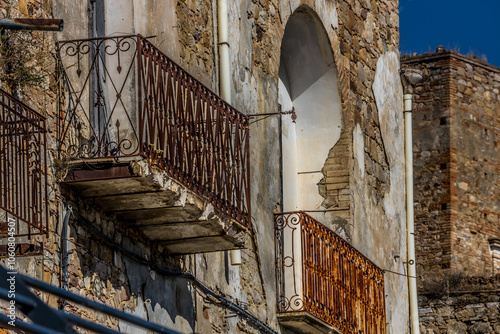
456	187
335	63
456	163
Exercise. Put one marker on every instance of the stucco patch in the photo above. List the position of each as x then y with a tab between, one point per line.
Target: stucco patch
359	149
388	92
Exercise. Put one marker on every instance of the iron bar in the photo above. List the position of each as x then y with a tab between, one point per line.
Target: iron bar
26	327
320	273
34	283
37	311
21	300
289	112
92	326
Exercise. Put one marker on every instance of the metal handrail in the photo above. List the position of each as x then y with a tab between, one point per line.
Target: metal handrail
48	320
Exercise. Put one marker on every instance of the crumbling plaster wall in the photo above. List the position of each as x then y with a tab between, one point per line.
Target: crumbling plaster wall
386	216
358	33
362	185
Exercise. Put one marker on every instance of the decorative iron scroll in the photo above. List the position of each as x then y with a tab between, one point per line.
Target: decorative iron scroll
23	165
121	96
320	273
97	116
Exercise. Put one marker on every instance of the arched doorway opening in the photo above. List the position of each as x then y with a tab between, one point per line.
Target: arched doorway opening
308	83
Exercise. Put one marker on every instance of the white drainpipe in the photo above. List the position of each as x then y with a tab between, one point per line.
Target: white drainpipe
410	78
224	73
225	80
410	226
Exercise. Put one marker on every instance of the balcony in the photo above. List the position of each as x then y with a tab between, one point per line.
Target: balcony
23	165
24	206
152	145
324	284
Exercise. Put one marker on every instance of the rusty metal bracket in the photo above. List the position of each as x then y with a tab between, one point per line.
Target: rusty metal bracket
266	115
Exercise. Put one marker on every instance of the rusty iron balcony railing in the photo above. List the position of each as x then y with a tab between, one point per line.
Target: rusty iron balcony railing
121	97
320	273
23	165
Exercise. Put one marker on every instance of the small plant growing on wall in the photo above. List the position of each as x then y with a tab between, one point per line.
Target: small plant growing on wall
61	169
26	57
25	60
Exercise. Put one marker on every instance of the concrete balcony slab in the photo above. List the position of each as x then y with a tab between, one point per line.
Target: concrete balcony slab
305	323
145	198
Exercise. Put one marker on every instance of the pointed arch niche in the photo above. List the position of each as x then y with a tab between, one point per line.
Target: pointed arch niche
307	82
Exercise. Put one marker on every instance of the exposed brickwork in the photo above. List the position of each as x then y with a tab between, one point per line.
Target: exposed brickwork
475	165
366	30
335	186
431	127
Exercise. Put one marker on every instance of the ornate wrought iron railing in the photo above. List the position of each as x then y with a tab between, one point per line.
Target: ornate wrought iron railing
23	166
320	273
121	96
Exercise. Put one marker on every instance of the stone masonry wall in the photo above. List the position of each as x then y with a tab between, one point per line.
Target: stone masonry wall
475	159
366	30
196	37
456	154
363	35
431	161
99	267
461	306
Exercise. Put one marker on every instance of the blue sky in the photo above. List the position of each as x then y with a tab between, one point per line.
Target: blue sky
467	26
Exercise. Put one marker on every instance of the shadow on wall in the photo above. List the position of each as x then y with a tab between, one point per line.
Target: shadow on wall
308	83
175	296
107	273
